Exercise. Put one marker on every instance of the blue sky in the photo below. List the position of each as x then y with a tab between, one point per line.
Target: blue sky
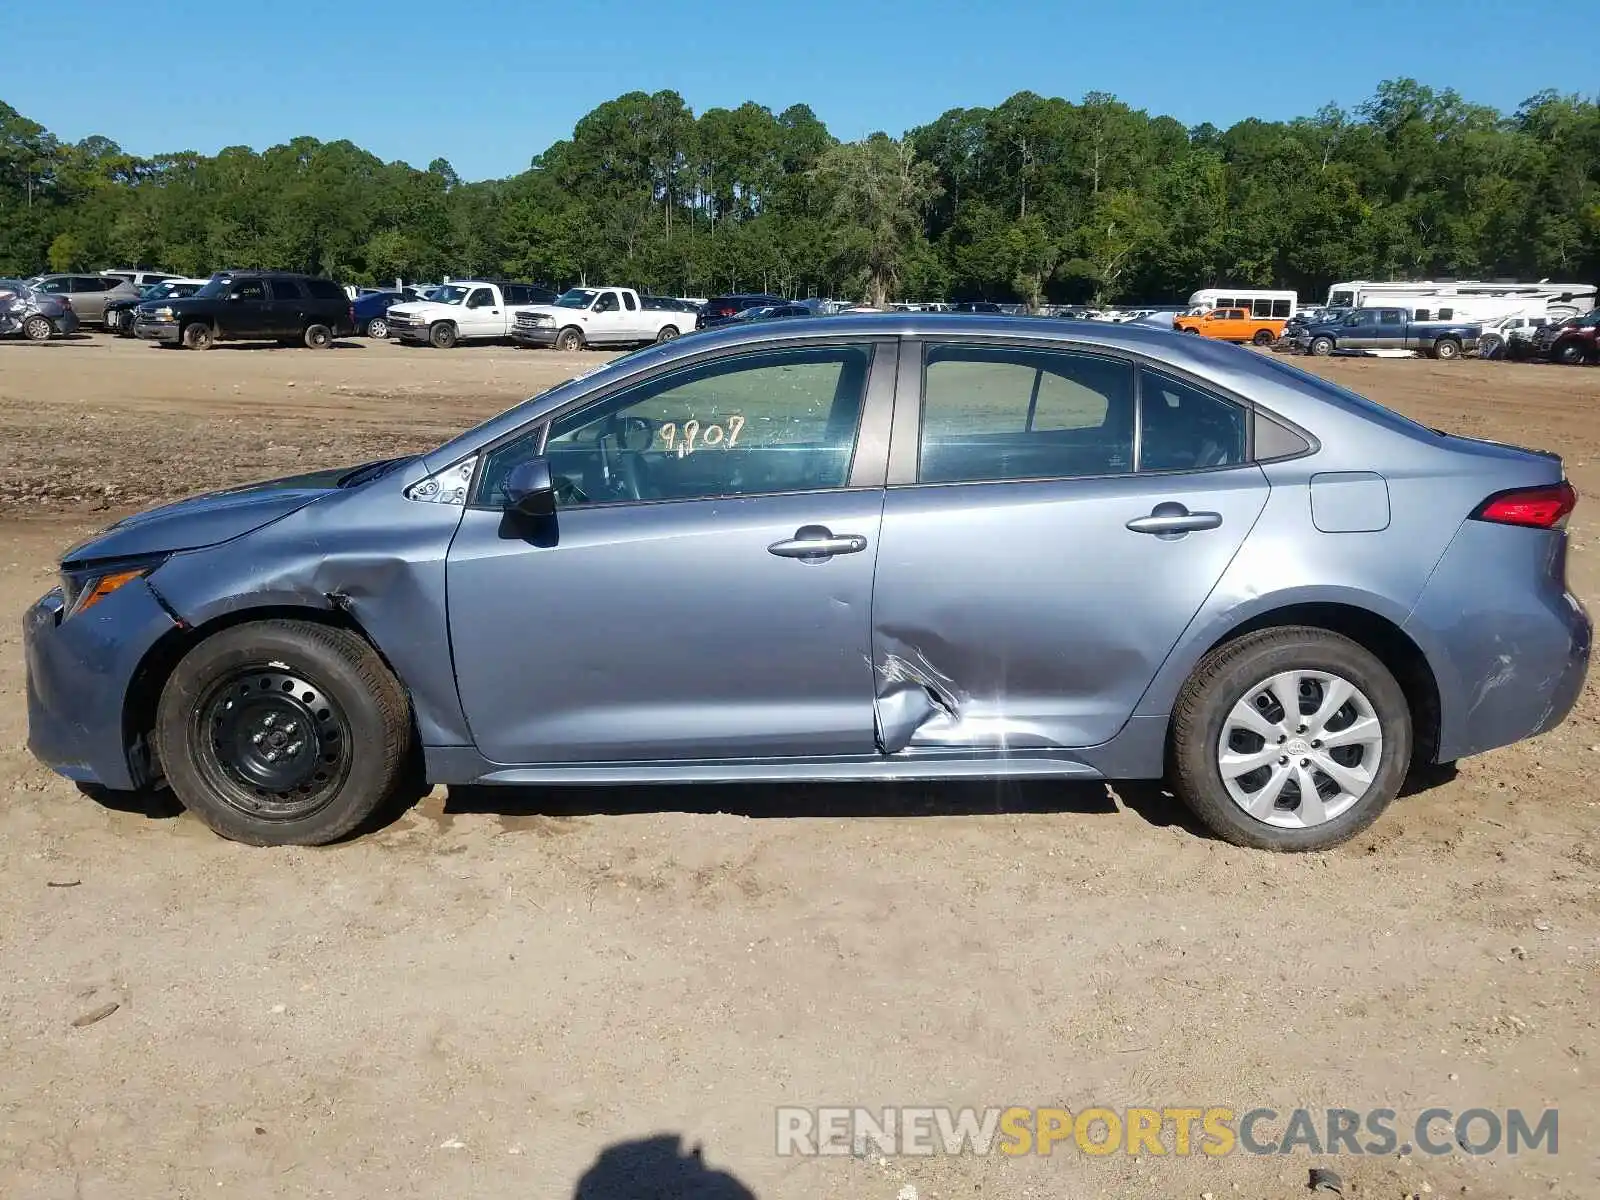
488	83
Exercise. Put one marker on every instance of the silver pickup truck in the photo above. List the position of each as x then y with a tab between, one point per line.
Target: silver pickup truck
1387	329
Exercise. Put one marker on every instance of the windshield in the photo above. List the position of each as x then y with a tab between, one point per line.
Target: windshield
449	293
577	298
1587	321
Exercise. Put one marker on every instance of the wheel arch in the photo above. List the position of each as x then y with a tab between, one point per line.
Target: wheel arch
156	667
1378	633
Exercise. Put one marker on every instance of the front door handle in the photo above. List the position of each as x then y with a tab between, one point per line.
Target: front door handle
817	543
1171	520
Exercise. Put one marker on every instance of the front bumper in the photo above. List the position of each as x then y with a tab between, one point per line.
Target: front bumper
540	335
156	331
407	331
78	675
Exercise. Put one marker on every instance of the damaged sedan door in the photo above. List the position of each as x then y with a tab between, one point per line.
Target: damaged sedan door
680	569
1045	544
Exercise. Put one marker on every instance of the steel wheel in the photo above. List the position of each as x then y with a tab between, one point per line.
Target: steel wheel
378	328
271	743
1300	748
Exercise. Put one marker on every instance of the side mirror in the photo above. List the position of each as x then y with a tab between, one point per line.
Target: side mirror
530	492
235	295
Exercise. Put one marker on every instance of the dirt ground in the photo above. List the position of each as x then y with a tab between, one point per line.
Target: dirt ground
481	998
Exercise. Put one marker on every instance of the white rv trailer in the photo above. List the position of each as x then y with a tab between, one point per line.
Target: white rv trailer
1261	302
1466	299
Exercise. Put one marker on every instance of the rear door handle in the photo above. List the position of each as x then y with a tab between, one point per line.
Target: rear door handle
1171	520
817	543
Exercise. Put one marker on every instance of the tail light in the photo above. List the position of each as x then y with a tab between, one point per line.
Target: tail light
1538	507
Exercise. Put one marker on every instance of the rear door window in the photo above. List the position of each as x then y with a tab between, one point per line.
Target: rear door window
285	289
1183	428
993	413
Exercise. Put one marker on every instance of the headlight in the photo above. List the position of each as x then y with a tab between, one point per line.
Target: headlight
84	587
161	314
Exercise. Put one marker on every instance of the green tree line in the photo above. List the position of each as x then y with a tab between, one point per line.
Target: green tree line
1039	199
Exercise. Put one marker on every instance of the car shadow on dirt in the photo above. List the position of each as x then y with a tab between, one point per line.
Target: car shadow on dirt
658	1168
987	797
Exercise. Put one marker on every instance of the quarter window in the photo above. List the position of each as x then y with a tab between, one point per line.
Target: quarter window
1184	429
755	424
997	413
629	302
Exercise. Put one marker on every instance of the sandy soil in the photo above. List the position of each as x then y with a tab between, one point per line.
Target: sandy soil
483	997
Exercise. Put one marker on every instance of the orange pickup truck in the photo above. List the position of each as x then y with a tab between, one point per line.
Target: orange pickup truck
1233	325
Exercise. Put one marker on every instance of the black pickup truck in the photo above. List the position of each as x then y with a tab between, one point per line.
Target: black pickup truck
250	306
1387	329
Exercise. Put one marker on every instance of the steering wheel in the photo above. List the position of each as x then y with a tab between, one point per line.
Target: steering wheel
625	439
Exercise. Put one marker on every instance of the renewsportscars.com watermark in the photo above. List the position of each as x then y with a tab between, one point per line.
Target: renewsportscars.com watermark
1215	1131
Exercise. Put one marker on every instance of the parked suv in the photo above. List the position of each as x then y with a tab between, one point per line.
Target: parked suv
250	306
87	294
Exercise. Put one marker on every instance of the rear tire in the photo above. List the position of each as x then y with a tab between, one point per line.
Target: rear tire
1264	806
37	328
283	733
442	335
198	336
318	337
1446	349
1263	337
378	328
667	333
1322	346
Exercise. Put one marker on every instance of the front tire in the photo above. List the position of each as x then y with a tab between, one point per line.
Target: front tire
442	335
1290	739
570	339
198	336
378	328
283	733
37	329
318	337
1322	346
1570	353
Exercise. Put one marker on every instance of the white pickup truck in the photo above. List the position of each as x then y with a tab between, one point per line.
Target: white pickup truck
598	317
463	311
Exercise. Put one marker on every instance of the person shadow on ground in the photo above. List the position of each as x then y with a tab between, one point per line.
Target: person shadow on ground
656	1168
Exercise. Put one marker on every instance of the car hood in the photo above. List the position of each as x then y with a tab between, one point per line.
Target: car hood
549	310
207	519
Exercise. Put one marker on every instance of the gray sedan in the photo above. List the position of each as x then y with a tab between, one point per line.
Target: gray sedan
87	294
868	548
